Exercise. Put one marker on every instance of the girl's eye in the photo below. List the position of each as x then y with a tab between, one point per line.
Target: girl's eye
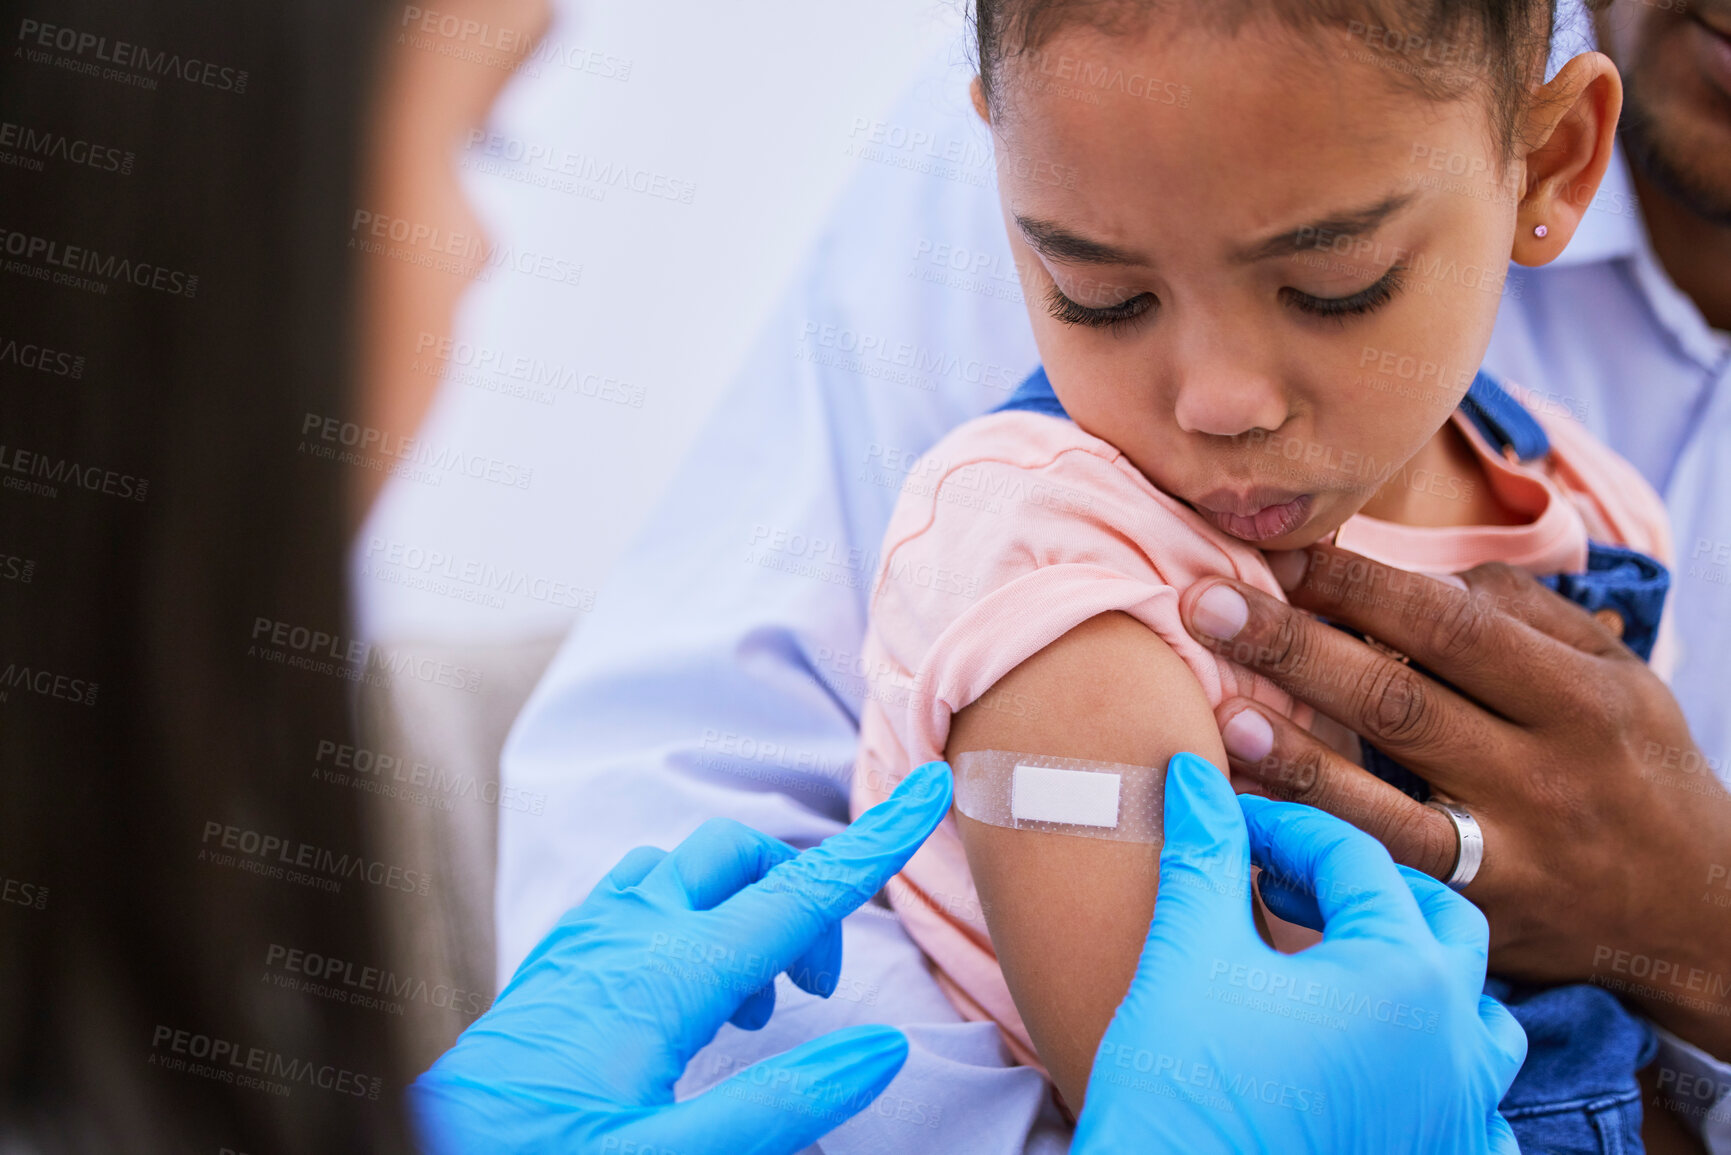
1366	300
1123	313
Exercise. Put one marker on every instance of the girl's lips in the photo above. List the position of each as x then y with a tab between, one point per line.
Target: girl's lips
1267	523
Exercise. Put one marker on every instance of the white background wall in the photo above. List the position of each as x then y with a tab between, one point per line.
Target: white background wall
744	107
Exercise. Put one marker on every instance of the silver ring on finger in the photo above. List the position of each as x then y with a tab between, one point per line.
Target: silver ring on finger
1471	842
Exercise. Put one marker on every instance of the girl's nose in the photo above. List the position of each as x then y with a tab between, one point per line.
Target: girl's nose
1227	402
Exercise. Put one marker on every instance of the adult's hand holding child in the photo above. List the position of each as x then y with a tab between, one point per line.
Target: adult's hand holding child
1605	829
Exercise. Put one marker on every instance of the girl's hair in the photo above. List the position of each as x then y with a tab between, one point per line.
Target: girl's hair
156	509
1445	49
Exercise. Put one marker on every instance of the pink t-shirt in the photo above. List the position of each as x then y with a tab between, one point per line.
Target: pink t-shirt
1018	527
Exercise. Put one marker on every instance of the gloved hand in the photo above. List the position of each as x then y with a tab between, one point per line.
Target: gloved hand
581	1051
1377	1039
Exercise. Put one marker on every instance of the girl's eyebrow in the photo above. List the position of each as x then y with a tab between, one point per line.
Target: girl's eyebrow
1055	242
1060	244
1325	232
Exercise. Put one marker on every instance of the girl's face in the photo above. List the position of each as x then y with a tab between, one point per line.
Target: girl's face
1253	264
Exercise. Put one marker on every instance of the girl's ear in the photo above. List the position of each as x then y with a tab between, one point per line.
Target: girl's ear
977	92
1568	133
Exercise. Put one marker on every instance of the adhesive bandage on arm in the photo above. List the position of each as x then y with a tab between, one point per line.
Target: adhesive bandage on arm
1061	795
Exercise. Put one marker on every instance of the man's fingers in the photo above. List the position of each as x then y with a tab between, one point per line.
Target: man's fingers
1204	863
786	1102
1292	765
1519	594
1358	890
1496	639
1412	718
803	897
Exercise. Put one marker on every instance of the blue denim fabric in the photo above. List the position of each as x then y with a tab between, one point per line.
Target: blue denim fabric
1576	1094
1624	580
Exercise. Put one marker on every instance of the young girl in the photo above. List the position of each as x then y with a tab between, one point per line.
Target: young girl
1260	308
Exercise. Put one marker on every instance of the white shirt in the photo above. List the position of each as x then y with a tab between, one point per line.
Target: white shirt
721	676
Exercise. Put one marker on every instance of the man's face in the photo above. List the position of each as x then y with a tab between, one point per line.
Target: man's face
1675	57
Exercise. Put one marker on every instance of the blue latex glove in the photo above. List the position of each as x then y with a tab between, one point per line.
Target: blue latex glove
1378	1039
581	1051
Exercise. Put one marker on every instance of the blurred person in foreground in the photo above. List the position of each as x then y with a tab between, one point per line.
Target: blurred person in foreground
180	295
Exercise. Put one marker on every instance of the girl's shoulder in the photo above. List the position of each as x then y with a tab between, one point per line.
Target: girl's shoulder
1040	489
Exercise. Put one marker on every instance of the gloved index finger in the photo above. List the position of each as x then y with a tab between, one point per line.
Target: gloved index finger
800	898
1358	890
716	860
1204	860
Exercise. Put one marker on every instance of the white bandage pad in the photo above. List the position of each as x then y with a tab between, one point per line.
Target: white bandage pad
1061	795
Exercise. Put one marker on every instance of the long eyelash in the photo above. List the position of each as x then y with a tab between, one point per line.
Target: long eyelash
1122	314
1366	300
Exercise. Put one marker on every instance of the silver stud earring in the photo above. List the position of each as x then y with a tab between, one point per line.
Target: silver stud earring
1540	230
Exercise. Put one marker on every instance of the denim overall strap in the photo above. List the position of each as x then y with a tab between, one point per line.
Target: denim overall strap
1617	578
1626	581
1504	421
1035	395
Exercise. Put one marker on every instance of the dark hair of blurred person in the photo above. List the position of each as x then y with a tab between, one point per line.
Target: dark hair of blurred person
154	509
